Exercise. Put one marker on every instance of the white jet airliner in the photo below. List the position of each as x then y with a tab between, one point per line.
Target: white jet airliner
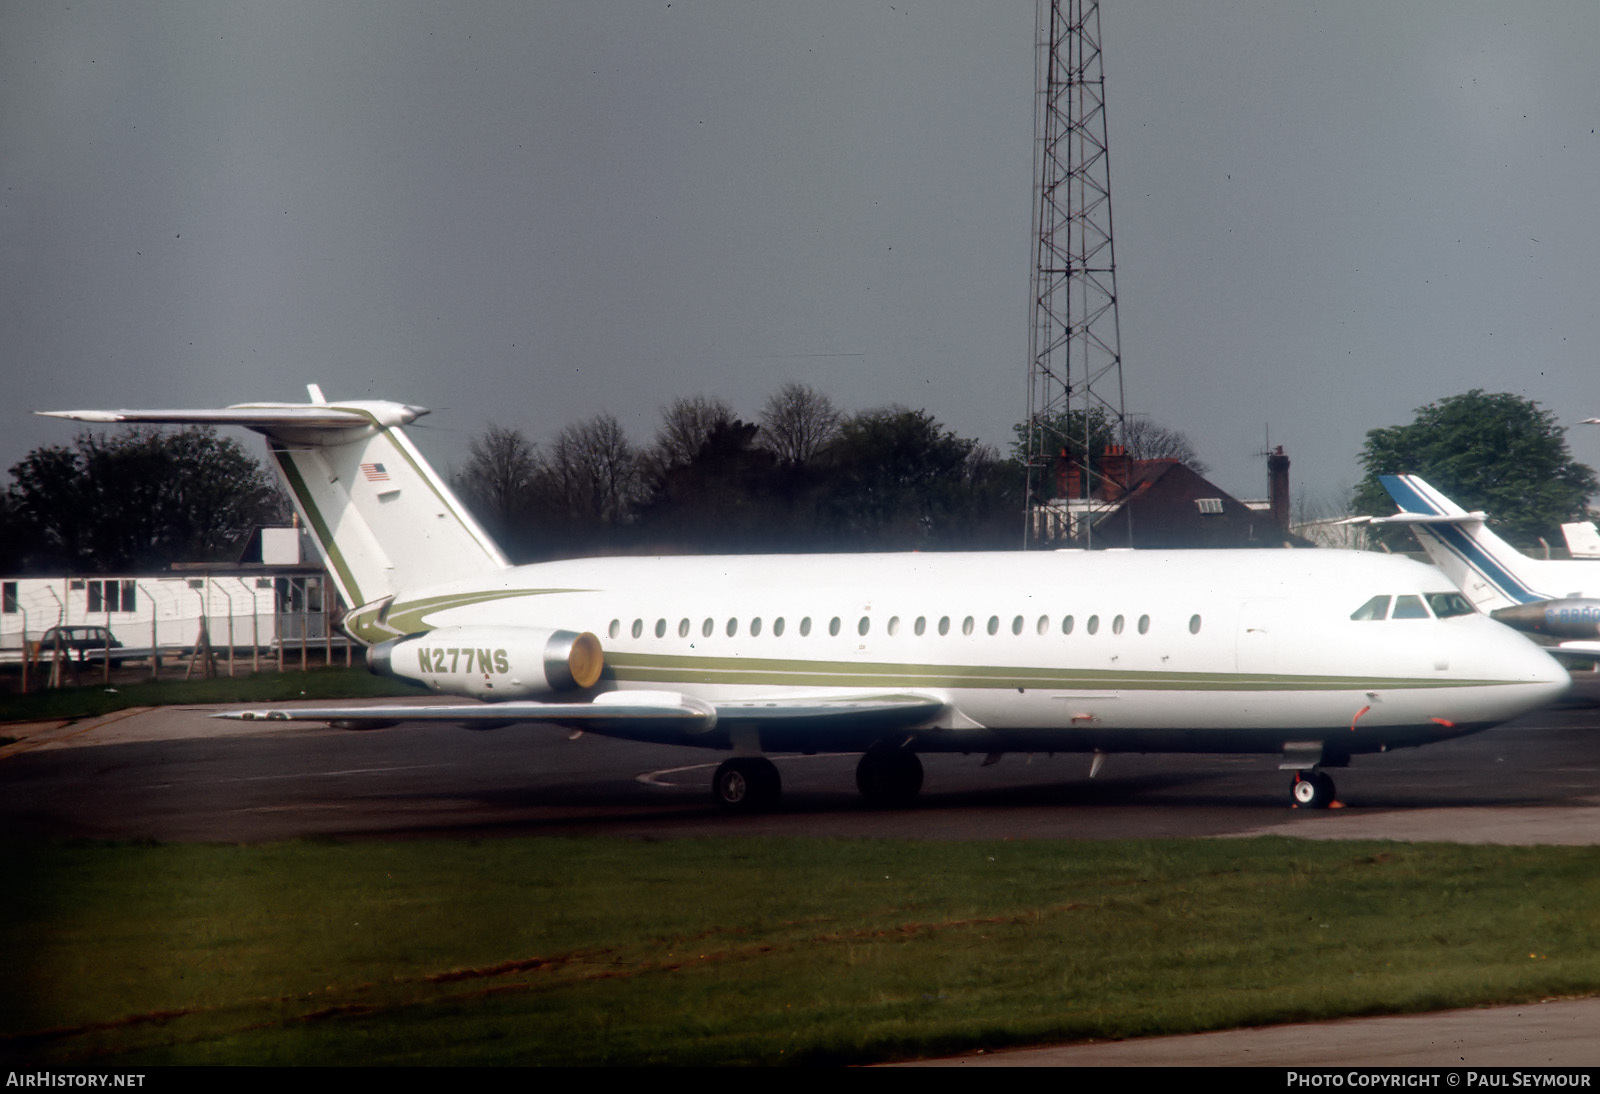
1559	598
1312	655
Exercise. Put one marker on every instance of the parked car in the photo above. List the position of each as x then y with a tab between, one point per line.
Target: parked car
85	642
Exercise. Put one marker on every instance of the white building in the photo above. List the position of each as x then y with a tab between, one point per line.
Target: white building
243	605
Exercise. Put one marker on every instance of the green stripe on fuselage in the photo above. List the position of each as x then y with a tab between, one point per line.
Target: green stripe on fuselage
665	669
407	617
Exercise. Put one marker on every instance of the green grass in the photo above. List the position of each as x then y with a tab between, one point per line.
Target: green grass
94	699
734	950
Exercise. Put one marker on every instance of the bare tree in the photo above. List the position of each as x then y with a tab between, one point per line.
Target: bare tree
1325	520
498	481
591	471
685	425
797	421
1148	441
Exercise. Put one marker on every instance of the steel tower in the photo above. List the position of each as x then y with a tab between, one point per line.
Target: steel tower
1075	366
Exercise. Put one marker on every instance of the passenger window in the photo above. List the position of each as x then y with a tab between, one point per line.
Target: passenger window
1194	624
894	625
1445	605
805	626
661	628
1093	626
833	626
921	625
944	624
755	627
1144	624
994	624
683	628
1066	624
864	626
1409	607
1373	610
638	627
777	627
708	626
966	625
1016	625
615	628
733	627
1116	625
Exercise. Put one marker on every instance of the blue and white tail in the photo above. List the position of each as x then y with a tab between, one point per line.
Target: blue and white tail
1488	570
382	518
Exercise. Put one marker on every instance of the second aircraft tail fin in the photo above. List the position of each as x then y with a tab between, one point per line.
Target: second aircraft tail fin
1488	570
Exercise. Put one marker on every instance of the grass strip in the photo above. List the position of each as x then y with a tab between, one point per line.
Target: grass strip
759	951
267	687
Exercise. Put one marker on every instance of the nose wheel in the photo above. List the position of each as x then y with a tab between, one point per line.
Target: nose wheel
1312	789
747	784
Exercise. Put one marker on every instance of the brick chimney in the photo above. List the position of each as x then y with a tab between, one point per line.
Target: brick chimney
1114	472
1278	487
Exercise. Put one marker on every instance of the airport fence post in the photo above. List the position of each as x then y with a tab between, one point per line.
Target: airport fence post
55	657
24	646
155	647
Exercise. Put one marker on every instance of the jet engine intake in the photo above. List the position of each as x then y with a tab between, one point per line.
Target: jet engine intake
1570	617
493	662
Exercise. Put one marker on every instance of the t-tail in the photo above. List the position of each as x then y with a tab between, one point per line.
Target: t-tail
381	517
1489	571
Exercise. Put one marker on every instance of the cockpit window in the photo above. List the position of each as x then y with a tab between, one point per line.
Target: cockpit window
1374	609
1445	605
1409	607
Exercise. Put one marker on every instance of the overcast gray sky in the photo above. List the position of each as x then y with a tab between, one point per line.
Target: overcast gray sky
528	213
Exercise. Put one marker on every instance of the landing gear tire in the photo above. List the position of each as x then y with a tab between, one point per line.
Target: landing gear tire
1312	789
747	785
889	776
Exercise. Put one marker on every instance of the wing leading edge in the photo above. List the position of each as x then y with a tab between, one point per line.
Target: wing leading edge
641	715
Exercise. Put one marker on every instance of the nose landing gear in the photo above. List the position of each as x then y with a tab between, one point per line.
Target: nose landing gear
1312	789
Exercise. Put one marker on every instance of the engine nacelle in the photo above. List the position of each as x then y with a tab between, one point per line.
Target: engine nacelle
493	662
1572	617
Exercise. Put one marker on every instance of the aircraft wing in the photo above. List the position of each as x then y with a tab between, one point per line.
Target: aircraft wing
655	715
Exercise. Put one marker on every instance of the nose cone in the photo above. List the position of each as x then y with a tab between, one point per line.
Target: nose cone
1544	677
1520	675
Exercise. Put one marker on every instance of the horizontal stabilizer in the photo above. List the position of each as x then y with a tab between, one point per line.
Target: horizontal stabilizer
315	423
1490	572
381	517
250	416
1421	518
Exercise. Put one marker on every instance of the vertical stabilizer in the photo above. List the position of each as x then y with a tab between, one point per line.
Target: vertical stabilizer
380	515
1488	570
1583	540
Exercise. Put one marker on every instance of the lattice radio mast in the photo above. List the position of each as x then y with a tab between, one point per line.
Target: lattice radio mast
1075	348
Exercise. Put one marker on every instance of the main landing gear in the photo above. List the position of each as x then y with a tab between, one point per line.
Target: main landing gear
1312	789
747	784
888	775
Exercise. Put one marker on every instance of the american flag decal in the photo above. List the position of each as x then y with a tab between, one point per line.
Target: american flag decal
374	472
